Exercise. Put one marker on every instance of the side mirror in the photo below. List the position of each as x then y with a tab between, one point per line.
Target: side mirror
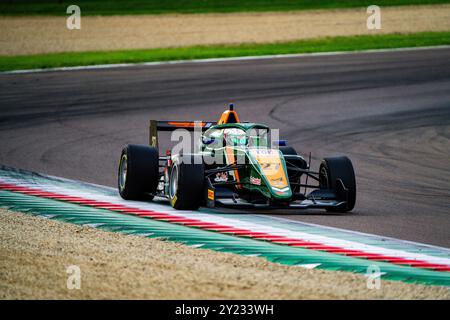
208	140
280	143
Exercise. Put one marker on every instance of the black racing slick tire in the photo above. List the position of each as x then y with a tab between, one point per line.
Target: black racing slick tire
138	172
331	170
296	161
288	150
186	184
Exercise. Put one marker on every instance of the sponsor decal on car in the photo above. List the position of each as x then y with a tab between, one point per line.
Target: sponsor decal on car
263	151
277	182
173	200
270	162
211	194
255	181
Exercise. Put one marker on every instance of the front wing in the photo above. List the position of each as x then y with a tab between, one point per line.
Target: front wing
317	199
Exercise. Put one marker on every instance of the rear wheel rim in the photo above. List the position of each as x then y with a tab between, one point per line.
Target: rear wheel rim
323	178
123	168
173	182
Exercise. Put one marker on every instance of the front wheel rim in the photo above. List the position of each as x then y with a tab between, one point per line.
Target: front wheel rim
123	168
173	182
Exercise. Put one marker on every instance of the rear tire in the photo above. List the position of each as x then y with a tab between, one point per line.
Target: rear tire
186	185
334	168
138	172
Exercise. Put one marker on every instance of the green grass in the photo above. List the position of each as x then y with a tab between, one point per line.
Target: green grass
120	7
8	63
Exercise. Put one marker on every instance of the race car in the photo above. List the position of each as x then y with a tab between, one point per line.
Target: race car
236	164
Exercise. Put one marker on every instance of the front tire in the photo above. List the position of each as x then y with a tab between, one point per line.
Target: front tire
186	183
331	170
297	160
138	172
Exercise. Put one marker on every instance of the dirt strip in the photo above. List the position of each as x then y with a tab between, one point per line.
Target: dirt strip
35	253
33	35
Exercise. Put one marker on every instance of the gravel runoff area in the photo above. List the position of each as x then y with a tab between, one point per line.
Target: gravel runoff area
35	253
35	35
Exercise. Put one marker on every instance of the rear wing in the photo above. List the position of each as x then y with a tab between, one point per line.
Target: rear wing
156	126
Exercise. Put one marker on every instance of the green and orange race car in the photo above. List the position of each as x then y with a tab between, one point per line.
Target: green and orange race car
236	164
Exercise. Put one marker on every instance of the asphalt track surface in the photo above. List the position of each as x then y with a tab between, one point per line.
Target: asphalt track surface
389	112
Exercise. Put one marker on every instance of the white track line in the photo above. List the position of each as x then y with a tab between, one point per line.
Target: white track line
212	60
282	219
252	226
287	220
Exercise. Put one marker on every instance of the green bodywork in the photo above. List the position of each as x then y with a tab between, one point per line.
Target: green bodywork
244	147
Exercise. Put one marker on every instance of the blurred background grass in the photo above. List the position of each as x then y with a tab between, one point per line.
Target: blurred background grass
121	7
351	43
132	7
